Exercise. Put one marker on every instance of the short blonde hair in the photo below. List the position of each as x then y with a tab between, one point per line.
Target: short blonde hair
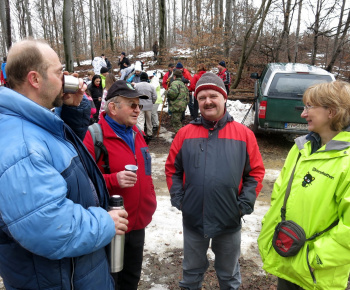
335	96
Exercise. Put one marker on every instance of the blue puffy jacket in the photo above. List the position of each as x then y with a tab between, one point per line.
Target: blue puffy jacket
53	223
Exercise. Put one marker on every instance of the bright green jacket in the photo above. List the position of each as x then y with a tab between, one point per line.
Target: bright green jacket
103	81
320	195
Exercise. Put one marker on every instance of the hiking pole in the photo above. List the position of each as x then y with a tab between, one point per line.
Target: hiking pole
161	113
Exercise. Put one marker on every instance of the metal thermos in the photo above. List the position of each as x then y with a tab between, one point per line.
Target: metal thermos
116	253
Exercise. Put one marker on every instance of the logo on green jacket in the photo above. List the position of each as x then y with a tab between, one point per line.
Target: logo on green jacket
308	178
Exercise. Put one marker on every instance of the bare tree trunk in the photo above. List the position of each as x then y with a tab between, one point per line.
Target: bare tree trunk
297	33
103	24
190	5
29	18
20	18
252	39
162	30
285	32
316	32
154	8
149	25
91	21
83	17
216	15
228	27
8	24
111	38
174	23
49	26
135	25
56	28
75	35
67	24
139	28
221	13
97	26
3	21
339	42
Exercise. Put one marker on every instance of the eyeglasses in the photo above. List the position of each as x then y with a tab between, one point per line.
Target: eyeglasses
131	105
307	108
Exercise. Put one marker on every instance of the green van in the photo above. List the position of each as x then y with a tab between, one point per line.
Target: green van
279	91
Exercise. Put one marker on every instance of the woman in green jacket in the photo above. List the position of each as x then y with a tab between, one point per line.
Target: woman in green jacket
319	195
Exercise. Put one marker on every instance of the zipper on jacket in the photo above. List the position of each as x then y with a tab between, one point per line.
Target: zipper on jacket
308	264
72	276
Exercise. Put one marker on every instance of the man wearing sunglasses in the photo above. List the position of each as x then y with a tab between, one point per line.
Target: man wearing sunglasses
125	145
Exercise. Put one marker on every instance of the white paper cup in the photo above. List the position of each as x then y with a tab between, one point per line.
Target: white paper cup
131	167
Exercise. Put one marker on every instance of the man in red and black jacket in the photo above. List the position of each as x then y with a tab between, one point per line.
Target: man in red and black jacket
224	75
214	173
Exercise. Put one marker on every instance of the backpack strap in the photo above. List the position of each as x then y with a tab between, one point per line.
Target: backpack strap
97	138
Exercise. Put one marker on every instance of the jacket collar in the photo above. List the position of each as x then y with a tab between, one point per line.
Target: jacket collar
213	125
334	144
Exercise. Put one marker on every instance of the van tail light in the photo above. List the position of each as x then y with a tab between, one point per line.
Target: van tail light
262	109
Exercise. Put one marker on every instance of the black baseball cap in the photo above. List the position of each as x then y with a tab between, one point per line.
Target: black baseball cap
123	89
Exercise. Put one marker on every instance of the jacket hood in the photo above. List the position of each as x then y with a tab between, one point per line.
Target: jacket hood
28	110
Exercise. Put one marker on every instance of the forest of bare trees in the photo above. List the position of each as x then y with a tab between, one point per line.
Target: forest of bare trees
240	31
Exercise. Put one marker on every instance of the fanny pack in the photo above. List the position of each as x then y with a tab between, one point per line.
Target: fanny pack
289	237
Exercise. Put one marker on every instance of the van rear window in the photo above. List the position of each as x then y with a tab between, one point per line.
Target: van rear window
294	85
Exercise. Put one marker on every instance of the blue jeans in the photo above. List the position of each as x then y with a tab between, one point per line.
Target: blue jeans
226	247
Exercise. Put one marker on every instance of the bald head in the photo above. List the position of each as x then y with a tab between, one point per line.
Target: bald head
23	57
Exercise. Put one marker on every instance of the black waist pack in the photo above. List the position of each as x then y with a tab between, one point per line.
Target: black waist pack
288	238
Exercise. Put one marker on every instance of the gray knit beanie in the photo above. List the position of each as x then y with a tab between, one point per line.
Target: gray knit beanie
210	81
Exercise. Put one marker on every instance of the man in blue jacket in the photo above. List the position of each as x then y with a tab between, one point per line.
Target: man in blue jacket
53	225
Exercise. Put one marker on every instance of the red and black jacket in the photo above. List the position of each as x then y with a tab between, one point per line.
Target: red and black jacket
214	174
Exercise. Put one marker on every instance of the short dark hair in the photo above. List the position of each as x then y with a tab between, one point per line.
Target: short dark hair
23	60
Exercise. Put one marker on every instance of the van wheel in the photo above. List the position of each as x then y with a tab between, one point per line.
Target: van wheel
256	119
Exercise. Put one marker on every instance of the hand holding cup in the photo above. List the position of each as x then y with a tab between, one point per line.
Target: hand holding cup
128	177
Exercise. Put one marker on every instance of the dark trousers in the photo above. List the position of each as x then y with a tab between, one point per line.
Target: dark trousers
129	277
286	285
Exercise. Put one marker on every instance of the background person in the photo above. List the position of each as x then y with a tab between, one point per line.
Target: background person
145	88
177	99
103	74
110	80
108	63
165	82
201	69
90	75
224	75
135	78
96	92
125	145
154	81
124	65
55	218
319	195
97	64
223	167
